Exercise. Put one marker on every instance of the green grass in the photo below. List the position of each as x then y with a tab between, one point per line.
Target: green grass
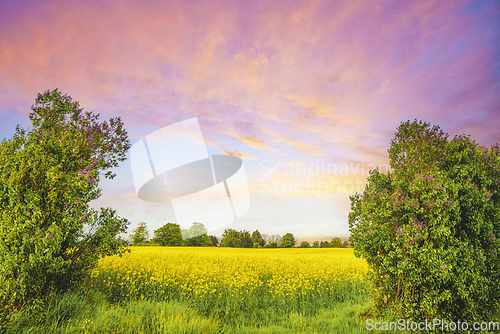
70	313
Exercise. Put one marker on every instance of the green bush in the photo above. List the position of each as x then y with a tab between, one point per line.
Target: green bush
429	229
49	238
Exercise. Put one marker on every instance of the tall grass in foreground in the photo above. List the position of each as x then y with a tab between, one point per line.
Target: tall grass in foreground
70	313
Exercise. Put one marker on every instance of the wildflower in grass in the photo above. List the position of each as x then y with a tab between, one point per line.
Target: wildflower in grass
399	231
444	267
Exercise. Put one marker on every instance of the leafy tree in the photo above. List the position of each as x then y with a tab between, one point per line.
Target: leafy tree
214	240
245	239
168	235
325	244
50	239
288	240
230	238
304	244
429	229
315	244
199	240
336	243
196	235
258	239
140	234
272	245
195	230
345	244
233	238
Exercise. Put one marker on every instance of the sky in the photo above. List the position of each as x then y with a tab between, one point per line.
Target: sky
307	93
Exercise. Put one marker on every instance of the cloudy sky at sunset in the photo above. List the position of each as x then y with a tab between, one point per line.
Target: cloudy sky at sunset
307	93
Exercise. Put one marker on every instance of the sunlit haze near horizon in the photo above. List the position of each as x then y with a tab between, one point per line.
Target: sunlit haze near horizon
307	93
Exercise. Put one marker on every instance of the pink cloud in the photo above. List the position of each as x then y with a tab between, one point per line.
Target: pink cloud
309	72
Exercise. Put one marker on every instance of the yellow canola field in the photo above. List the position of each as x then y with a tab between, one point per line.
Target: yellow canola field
200	273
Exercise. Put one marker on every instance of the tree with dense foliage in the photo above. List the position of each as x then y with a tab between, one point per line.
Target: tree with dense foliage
336	243
140	234
429	230
258	240
196	235
230	238
345	244
50	239
325	244
315	244
288	240
304	244
214	240
245	239
271	245
233	238
168	235
199	240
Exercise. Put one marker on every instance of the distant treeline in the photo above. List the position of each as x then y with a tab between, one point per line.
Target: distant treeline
171	234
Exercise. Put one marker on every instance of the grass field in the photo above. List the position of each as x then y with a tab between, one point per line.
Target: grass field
217	290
